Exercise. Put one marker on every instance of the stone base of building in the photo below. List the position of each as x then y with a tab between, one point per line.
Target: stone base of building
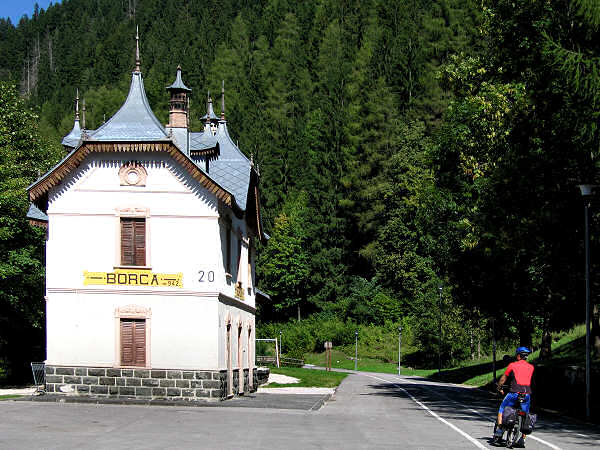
147	384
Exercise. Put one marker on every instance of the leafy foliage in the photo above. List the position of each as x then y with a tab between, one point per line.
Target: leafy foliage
402	146
22	156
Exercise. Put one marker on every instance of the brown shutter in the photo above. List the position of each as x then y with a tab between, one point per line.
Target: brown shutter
140	241
133	342
127	250
133	242
139	341
126	342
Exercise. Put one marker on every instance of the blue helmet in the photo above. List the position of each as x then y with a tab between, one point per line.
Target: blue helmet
524	351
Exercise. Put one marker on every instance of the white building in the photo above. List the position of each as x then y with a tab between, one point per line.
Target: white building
150	256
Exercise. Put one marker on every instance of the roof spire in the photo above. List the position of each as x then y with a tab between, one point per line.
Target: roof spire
137	51
223	100
208	106
83	115
77	105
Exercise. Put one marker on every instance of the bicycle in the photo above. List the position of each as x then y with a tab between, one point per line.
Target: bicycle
517	426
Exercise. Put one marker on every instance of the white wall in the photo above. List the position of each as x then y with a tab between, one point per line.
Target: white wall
183	235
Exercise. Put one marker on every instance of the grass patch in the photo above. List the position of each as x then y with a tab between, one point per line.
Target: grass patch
309	377
341	361
9	397
567	349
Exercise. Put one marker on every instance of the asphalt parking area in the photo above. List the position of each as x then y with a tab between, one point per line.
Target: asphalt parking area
302	402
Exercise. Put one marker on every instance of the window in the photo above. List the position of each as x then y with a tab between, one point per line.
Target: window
250	280
133	241
133	342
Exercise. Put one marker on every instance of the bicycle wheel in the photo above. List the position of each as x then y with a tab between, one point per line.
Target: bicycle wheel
512	435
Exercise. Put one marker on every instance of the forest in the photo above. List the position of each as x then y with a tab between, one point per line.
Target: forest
419	159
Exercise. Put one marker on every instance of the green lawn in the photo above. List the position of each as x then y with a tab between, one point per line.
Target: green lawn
342	361
309	377
567	348
8	397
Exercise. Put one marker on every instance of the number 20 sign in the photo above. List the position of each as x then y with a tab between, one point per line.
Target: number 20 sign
204	277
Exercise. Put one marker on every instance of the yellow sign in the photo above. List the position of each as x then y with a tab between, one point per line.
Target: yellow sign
239	291
132	277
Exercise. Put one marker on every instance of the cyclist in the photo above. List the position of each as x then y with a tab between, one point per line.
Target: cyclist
522	372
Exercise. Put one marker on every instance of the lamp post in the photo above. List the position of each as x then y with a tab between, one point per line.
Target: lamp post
356	350
399	348
494	348
441	288
587	191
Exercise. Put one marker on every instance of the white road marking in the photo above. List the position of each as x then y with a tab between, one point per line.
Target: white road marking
541	441
454	427
531	436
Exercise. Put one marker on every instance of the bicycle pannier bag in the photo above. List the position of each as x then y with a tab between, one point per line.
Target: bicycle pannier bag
509	416
528	423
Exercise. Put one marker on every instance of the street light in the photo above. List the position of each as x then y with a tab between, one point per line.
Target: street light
587	191
494	347
356	350
441	288
399	348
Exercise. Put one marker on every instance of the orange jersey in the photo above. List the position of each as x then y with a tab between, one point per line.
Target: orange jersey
522	371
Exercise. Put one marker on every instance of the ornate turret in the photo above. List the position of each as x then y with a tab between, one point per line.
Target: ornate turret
210	119
134	121
71	140
179	103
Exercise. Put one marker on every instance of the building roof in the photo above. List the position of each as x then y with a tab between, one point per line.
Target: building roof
135	121
210	111
202	141
72	139
178	83
36	214
231	169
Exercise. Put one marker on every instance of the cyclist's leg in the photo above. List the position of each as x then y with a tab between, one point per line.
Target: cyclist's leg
509	400
527	403
525	407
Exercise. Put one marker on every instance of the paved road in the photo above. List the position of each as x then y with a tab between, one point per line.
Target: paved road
368	411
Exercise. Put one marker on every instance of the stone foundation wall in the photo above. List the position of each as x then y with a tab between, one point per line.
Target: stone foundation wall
142	384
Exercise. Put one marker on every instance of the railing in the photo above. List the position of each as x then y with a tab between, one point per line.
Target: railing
272	360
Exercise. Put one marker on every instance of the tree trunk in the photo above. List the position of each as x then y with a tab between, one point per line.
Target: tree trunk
471	344
546	349
596	330
525	333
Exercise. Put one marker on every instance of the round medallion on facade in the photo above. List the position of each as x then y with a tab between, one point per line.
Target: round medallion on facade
132	174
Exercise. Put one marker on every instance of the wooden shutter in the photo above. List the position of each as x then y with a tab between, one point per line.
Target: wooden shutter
126	342
133	342
139	342
127	252
133	242
140	241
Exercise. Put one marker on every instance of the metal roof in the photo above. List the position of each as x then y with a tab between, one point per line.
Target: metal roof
202	141
35	213
178	83
210	111
72	139
135	121
231	169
